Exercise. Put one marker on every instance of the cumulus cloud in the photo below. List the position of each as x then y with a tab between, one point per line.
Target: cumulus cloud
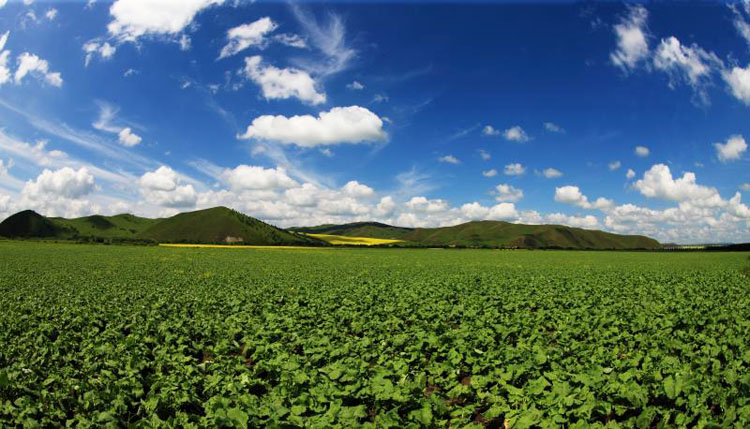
246	35
553	128
642	151
422	204
732	150
276	83
449	159
630	174
51	14
489	130
738	79
132	19
254	178
65	182
291	40
3	3
94	48
351	124
573	195
128	138
614	165
551	173
30	64
163	187
745	187
516	134
632	39
485	155
514	169
489	173
658	183
588	221
357	190
508	193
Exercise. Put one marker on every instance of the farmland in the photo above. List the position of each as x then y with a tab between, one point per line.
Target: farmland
206	337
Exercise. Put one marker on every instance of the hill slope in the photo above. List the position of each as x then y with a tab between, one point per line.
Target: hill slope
493	234
119	226
221	225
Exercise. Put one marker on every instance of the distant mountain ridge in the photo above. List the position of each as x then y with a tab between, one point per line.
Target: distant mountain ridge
491	234
224	225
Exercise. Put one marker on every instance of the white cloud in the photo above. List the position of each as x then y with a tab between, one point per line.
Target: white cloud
553	128
745	187
5	167
502	211
642	151
691	64
508	193
573	195
136	18
277	83
356	86
291	40
630	174
185	42
489	173
254	178
516	134
64	182
128	138
450	159
488	130
614	165
658	183
736	208
162	187
4	55
357	190
632	39
327	37
351	124
588	221
551	173
740	19
732	150
738	80
51	14
380	98
244	36
32	64
485	155
422	204
514	169
92	48
3	3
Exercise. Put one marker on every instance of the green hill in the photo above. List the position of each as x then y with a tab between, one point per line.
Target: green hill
492	234
119	226
221	225
30	224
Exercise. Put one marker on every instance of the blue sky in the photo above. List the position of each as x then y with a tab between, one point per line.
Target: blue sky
415	114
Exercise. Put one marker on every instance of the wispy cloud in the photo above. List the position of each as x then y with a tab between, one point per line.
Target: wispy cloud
328	37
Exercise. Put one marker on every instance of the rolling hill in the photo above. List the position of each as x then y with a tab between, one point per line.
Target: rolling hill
492	234
215	225
221	225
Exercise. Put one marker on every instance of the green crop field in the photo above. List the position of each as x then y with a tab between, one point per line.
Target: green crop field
122	336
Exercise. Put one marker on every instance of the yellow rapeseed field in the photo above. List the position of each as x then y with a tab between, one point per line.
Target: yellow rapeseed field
359	241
